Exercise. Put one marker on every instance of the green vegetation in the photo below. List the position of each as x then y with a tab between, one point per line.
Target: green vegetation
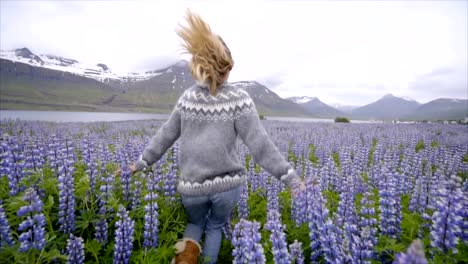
312	156
342	120
419	145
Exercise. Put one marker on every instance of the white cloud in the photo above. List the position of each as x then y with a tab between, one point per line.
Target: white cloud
295	47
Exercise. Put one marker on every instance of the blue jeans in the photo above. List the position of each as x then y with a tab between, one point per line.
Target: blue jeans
209	213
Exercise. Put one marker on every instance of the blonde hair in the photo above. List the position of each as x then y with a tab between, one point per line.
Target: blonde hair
211	58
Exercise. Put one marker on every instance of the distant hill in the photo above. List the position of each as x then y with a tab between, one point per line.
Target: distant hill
47	82
27	87
440	109
388	107
315	107
268	102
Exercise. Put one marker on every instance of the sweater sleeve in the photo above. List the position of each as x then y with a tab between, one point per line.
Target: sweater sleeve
164	138
264	151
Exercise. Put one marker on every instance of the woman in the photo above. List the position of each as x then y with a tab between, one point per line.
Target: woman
207	120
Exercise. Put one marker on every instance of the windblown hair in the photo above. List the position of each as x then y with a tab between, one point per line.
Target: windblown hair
211	58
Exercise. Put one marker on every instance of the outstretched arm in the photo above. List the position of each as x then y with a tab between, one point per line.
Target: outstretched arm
165	137
264	152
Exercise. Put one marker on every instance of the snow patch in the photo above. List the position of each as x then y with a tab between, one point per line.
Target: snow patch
75	67
408	99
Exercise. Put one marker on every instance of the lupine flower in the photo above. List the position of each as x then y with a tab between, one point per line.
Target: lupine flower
242	206
227	229
272	196
299	209
123	237
278	238
34	158
297	255
246	242
126	180
314	217
66	197
136	194
33	235
5	230
102	225
75	250
150	234
346	218
170	183
390	209
322	230
13	164
363	245
447	219
414	255
89	157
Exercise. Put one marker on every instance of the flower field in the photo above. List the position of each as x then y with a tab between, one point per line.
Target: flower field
376	193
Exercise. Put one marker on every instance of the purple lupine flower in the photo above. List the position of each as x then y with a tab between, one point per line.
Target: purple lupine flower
90	159
346	218
414	255
5	231
136	194
322	230
102	225
299	209
246	241
66	212
464	225
254	179
297	255
227	229
123	237
170	183
363	245
34	158
157	174
447	220
102	228
126	180
242	206
13	164
150	234
278	238
75	250
54	152
33	235
272	196
315	216
390	209
299	204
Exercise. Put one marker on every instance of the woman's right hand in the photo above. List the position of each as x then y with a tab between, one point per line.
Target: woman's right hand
132	168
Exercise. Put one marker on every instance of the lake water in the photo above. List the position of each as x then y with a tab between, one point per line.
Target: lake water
62	116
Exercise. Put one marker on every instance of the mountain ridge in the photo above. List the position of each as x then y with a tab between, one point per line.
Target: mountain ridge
29	80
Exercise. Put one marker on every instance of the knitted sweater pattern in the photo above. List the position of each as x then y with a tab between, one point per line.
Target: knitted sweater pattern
207	128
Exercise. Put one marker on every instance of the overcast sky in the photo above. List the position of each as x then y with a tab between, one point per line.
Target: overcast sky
349	52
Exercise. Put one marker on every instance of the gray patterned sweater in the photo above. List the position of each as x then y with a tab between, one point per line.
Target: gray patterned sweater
207	128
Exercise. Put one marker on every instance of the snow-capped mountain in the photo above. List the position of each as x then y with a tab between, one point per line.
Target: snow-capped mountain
30	81
300	99
98	71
